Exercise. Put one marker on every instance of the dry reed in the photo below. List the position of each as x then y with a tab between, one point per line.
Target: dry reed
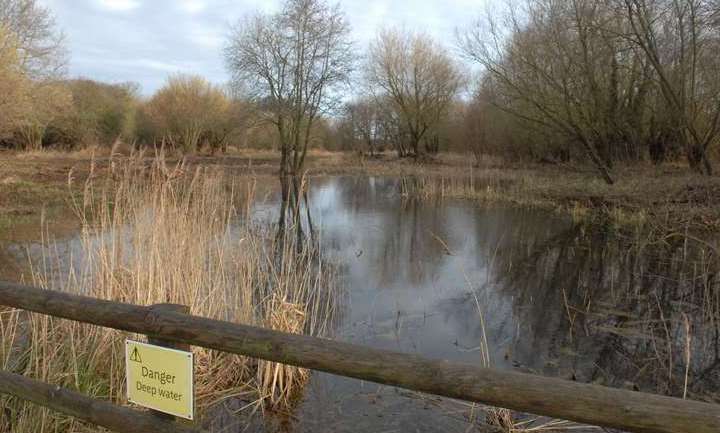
158	233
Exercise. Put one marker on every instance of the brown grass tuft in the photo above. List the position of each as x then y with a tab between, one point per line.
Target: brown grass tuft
154	232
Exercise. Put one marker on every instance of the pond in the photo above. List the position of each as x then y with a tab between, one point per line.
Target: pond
542	293
514	288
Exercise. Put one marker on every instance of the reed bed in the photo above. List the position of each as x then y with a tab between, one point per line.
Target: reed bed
677	199
158	233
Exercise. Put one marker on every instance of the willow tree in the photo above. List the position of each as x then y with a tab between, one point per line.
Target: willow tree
293	61
553	64
41	46
14	86
417	76
39	56
363	119
47	101
101	113
680	39
186	110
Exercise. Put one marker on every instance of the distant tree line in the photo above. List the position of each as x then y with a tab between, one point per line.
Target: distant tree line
599	81
40	107
606	82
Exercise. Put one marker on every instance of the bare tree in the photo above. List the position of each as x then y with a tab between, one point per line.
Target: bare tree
41	47
418	77
553	65
39	57
679	41
391	124
293	60
475	128
363	117
618	79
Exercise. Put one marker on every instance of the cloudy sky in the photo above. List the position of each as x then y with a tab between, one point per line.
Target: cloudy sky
145	40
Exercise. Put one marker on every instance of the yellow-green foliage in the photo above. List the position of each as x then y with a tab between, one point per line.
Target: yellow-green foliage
100	114
48	101
187	112
28	105
13	84
32	56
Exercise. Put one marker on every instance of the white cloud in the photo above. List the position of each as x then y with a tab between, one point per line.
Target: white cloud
134	64
206	37
119	5
158	65
193	6
145	40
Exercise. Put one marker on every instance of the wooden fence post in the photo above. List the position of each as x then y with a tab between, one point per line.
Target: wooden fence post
169	308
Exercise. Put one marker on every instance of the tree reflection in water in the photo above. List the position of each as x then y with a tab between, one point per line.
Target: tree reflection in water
629	299
586	301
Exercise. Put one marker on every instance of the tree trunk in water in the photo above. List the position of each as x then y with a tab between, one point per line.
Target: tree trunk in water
291	212
309	217
284	194
296	202
285	199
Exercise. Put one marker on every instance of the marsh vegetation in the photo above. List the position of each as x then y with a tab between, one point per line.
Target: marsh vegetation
539	196
158	233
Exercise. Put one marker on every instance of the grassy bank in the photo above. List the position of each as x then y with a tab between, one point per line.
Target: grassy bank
669	193
156	233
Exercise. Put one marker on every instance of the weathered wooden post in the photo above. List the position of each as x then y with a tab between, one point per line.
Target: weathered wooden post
168	308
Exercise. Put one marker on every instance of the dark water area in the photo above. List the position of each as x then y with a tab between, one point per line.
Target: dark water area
543	294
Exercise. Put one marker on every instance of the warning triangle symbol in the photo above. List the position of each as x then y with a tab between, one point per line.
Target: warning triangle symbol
135	356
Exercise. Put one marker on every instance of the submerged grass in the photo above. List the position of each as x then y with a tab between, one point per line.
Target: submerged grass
159	233
642	193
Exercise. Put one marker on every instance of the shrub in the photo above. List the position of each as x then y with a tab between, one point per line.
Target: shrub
100	114
188	112
13	85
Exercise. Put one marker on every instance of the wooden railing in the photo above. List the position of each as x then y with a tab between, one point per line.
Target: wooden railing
584	403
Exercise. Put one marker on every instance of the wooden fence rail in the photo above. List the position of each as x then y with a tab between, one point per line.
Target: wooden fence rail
116	418
585	403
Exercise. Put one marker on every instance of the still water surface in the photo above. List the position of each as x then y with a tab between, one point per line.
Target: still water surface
439	279
444	279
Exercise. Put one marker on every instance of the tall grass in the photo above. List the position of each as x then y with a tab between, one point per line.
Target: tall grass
638	196
158	233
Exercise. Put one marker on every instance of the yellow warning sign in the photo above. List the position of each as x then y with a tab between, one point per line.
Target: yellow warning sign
160	378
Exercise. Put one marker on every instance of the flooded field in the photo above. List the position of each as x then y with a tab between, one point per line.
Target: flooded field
513	288
510	202
506	287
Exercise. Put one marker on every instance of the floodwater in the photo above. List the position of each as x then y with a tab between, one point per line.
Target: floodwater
544	294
